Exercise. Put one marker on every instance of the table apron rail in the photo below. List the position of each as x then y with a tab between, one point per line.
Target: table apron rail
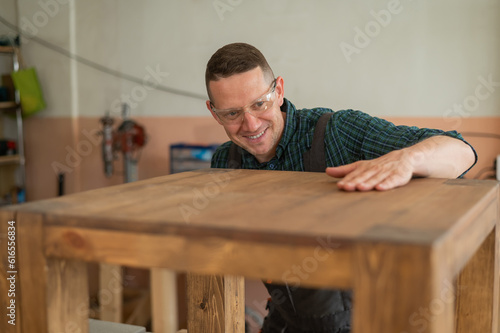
320	265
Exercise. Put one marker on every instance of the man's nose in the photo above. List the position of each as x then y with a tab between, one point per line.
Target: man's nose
251	122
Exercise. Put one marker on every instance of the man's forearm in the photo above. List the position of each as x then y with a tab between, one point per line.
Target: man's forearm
440	157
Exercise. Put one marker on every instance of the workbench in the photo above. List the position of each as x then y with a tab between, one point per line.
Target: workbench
420	258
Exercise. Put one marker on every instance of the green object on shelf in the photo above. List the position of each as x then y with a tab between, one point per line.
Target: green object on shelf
30	91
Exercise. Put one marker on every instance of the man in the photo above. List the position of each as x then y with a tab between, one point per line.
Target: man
366	152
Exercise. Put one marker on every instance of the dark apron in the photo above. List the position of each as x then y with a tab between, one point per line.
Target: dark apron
305	310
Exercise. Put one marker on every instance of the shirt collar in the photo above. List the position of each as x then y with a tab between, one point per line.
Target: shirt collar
290	126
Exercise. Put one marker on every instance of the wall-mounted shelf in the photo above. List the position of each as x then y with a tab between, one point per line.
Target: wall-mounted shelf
6	49
9	159
8	105
187	157
12	165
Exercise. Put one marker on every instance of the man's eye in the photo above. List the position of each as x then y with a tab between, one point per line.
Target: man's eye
259	105
231	114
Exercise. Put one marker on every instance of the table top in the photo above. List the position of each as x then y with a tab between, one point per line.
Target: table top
272	206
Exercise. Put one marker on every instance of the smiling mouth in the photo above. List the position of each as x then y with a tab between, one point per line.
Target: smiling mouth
256	136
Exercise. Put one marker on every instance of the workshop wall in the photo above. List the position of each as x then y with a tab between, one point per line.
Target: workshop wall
386	57
82	163
418	62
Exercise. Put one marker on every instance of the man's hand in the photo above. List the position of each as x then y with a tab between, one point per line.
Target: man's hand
439	156
383	173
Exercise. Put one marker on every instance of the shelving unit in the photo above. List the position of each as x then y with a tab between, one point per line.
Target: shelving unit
187	157
12	108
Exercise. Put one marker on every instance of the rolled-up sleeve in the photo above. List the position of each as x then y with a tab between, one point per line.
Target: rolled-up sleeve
364	137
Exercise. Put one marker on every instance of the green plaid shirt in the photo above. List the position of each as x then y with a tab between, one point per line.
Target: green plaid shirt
350	136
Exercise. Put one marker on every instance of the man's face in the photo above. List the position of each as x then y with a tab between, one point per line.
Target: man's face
258	133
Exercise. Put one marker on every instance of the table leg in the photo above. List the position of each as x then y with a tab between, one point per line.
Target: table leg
68	298
111	292
216	303
478	290
164	300
397	290
31	270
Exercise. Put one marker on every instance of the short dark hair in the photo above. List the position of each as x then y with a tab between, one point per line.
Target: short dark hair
235	58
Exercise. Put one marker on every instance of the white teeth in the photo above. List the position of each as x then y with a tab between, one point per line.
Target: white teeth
257	136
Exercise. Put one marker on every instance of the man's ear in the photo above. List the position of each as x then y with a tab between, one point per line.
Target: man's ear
280	90
209	107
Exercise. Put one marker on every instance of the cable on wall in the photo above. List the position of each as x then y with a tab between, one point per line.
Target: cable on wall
481	135
97	66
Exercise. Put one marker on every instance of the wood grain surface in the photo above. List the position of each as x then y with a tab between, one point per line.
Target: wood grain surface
478	289
209	255
216	304
67	296
276	206
400	250
32	267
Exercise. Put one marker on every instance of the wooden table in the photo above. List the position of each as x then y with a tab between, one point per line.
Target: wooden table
421	258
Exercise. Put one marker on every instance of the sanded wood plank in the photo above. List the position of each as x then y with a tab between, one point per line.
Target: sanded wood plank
216	304
209	255
292	207
470	234
496	317
110	292
234	303
9	282
401	246
67	296
32	273
391	295
164	300
477	292
205	294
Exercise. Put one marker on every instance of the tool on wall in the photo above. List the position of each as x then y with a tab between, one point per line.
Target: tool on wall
128	138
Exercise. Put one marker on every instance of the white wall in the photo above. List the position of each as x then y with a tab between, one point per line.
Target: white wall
421	61
8	12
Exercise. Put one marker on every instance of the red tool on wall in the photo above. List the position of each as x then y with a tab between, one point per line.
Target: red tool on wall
128	138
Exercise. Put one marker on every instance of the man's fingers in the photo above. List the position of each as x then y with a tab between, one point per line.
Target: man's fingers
365	181
383	173
366	176
356	182
340	171
380	181
393	181
353	174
